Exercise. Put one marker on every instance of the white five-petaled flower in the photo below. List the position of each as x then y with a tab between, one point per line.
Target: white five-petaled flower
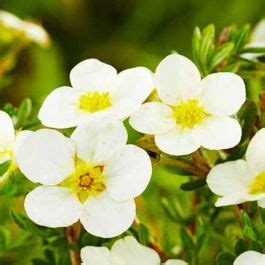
250	258
257	40
192	112
93	176
31	31
9	140
96	88
241	180
124	251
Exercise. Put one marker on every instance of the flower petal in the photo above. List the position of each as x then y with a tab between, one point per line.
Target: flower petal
61	109
258	34
261	203
10	20
223	93
176	262
128	173
104	217
231	180
153	118
250	258
128	251
46	156
20	138
177	142
129	90
53	206
230	200
99	138
92	74
177	78
95	256
219	133
7	132
255	151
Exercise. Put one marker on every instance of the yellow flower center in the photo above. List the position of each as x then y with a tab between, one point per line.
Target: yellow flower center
87	180
94	101
258	185
6	152
189	113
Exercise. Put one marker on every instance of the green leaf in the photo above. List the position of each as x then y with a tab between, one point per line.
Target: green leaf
253	50
50	257
225	258
249	233
4	238
206	46
240	246
248	119
201	241
143	234
39	262
4	167
245	219
26	224
262	236
171	211
23	113
262	214
256	246
196	45
221	54
193	184
64	259
186	239
242	37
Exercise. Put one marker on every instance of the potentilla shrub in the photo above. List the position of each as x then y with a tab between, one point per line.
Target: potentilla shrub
140	168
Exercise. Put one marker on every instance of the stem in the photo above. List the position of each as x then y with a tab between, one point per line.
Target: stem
200	162
153	244
158	249
192	169
72	235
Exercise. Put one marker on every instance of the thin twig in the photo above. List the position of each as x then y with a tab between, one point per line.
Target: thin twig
192	169
72	236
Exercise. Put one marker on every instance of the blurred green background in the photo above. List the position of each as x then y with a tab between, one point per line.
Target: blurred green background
124	33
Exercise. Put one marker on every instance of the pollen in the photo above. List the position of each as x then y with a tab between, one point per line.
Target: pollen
94	101
189	113
86	181
258	185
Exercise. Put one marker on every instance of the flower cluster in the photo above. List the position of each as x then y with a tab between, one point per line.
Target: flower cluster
13	27
93	175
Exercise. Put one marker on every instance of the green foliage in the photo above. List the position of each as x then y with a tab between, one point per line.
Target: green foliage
193	185
177	210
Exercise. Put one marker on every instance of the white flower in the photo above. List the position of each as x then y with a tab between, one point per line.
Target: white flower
36	33
9	20
257	40
192	112
31	31
242	180
94	177
250	258
9	140
124	251
96	87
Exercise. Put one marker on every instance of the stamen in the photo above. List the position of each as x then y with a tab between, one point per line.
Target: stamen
189	113
258	185
94	101
87	180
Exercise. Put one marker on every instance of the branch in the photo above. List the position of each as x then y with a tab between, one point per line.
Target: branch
72	236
